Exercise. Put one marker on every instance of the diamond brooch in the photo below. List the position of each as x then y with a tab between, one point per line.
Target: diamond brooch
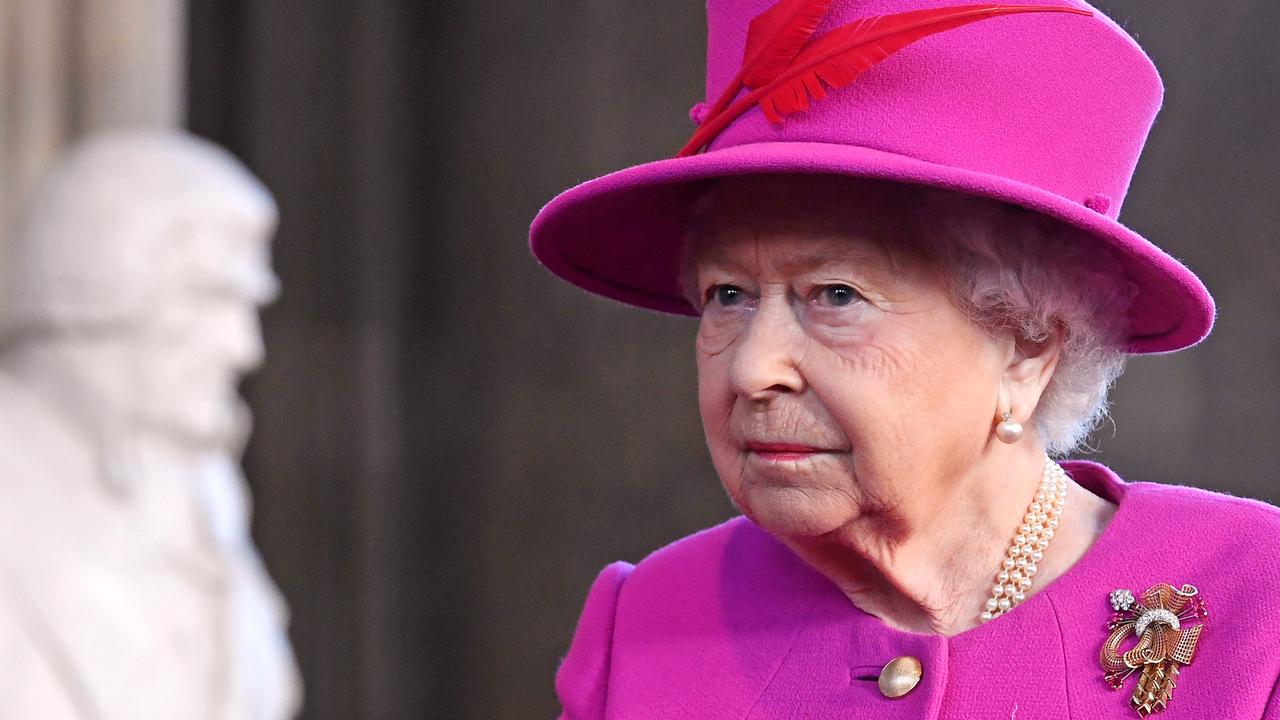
1162	623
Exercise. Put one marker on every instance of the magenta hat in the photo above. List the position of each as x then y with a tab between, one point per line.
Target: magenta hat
1046	106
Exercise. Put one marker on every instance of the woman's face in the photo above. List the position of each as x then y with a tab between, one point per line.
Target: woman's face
837	381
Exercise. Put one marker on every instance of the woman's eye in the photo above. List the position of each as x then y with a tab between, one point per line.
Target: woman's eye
726	295
837	295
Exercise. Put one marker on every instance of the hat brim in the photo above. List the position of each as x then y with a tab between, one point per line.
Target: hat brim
620	235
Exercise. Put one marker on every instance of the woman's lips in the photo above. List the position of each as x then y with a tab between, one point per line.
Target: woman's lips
784	451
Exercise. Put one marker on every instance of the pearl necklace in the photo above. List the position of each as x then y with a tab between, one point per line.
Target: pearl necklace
1029	544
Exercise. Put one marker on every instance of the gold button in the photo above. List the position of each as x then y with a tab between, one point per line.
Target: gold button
900	676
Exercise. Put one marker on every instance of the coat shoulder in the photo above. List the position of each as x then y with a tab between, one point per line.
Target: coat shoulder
707	620
1238	531
1219	504
693	555
721	562
1228	548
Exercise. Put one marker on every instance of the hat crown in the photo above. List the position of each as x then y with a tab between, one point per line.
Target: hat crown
1059	101
1043	104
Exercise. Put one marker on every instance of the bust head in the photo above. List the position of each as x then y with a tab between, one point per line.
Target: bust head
137	273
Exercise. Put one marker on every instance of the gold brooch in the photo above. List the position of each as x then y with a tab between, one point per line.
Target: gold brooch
1165	641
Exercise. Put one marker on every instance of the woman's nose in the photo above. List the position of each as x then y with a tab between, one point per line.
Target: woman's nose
766	362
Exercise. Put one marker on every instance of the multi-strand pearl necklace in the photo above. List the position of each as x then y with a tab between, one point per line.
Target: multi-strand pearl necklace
1021	563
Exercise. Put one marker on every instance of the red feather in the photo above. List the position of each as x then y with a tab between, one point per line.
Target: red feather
774	38
842	55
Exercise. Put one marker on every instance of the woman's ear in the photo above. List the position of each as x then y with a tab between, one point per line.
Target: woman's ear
1030	366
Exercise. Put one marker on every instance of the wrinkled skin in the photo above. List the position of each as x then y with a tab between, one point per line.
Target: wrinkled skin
817	332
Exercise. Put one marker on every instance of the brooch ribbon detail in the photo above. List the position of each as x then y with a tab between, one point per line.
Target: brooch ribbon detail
1165	641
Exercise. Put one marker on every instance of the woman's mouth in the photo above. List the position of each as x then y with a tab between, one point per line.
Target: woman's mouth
784	452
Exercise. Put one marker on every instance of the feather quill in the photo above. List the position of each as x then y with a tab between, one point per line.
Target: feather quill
838	58
774	38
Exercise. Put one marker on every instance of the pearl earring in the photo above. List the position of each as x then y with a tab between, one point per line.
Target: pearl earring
1009	431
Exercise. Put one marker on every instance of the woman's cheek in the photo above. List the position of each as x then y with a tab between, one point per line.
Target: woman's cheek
858	385
880	351
715	392
840	327
726	455
717	330
716	403
848	358
715	395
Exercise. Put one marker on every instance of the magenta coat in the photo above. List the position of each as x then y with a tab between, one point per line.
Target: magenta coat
729	623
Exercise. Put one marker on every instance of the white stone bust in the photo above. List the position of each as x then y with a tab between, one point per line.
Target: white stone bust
129	586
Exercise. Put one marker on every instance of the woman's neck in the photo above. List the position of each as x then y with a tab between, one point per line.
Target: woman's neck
933	572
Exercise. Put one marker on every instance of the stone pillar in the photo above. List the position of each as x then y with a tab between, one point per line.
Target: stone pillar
68	67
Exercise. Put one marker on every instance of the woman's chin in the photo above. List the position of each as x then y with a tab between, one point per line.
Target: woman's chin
798	512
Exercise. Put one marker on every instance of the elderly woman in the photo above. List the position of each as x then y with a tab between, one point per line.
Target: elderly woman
896	222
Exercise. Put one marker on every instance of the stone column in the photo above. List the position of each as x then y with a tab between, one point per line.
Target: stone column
68	67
